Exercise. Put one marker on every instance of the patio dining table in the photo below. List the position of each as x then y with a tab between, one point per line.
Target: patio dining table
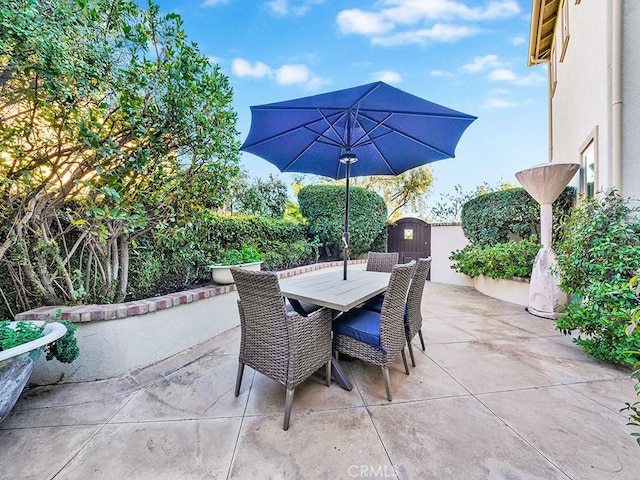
329	290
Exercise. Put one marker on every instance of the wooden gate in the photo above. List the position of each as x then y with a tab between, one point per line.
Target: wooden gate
411	238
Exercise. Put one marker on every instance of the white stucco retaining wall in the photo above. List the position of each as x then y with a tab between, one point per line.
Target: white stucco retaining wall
514	291
110	348
445	238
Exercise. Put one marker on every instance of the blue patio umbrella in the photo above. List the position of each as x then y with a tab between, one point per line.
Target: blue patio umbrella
372	129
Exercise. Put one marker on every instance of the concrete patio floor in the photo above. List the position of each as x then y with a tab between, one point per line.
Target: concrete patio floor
498	394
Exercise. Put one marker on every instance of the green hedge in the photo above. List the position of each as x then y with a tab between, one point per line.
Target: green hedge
504	260
323	207
497	217
185	252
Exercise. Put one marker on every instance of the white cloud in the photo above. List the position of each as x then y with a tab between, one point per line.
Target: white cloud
518	41
495	102
292	74
213	3
479	64
502	74
244	68
439	32
505	75
363	23
387	76
442	73
214	60
532	79
288	7
418	21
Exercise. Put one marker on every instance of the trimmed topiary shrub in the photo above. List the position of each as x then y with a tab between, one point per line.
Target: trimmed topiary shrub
597	254
512	214
323	207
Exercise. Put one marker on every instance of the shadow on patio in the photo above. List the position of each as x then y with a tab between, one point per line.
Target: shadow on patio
497	394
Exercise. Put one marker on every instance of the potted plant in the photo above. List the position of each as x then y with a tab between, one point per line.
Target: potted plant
21	344
247	257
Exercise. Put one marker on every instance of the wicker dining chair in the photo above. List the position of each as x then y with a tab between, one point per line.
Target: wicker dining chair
381	262
375	337
284	346
412	313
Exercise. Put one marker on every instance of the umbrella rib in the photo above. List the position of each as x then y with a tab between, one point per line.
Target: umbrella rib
409	137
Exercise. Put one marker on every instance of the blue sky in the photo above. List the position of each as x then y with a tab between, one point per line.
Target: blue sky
469	55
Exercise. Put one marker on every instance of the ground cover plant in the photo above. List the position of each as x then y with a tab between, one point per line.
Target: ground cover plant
598	252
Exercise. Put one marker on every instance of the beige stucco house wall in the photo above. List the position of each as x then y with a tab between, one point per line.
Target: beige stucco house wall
592	50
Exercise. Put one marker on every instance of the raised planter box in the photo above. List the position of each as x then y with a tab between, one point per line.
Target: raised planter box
514	291
221	274
16	364
119	338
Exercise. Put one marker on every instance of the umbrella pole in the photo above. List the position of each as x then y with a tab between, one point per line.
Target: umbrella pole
345	236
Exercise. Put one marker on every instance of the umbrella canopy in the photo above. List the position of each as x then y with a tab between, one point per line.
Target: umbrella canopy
373	129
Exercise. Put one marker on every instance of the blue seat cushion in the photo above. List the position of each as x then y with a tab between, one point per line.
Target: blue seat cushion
361	324
375	304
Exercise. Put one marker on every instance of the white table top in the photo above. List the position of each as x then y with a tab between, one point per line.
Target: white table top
330	290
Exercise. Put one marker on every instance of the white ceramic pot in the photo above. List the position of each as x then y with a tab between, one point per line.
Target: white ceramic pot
222	273
16	364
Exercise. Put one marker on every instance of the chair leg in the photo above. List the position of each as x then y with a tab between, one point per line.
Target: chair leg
239	377
404	360
387	383
413	360
287	407
421	340
328	373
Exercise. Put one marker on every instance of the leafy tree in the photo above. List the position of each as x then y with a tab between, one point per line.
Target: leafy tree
402	193
448	208
112	124
258	197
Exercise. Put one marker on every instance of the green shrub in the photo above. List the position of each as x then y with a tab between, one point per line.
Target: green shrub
597	254
323	207
246	254
504	215
503	260
634	325
184	252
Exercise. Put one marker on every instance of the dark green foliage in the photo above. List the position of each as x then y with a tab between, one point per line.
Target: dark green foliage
323	206
598	253
246	254
497	217
267	198
186	251
65	349
503	260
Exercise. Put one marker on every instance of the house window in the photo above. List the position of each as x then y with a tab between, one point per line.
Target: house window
408	233
589	165
564	29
